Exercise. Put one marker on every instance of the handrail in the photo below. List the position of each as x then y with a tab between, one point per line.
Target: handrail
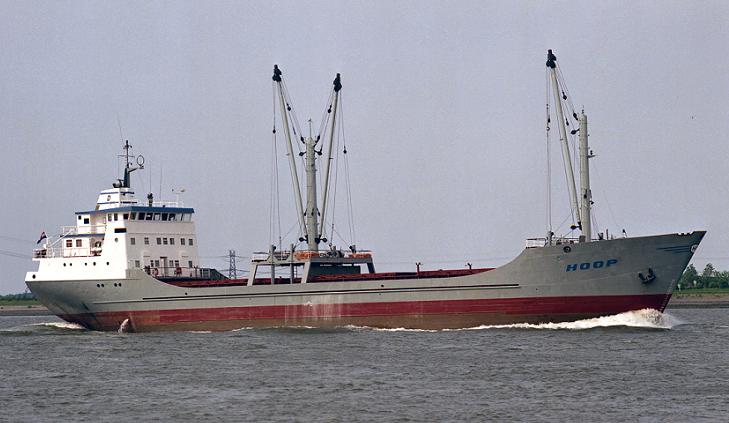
542	242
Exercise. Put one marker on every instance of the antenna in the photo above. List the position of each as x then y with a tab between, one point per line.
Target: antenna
121	134
160	181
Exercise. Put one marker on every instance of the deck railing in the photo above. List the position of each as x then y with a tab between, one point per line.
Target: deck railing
542	242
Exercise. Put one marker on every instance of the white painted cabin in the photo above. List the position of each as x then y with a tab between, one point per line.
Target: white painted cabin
123	233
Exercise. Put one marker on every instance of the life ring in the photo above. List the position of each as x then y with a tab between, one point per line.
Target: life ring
155	272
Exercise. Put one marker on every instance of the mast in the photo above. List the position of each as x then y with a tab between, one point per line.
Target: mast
327	166
552	65
292	159
586	193
128	168
312	213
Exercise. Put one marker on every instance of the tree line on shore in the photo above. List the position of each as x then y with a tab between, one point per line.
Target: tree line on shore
25	296
709	278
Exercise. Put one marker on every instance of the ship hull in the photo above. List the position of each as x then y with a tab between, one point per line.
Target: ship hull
549	284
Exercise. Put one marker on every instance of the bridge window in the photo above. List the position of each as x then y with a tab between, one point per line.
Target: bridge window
125	216
133	215
141	215
164	217
156	216
149	216
172	216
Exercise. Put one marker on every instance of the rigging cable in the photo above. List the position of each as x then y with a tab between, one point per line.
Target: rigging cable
292	114
336	185
549	163
350	215
275	206
292	171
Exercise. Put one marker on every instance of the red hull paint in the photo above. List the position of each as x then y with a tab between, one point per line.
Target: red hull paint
407	314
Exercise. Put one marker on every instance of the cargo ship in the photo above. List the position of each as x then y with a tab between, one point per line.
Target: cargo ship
133	264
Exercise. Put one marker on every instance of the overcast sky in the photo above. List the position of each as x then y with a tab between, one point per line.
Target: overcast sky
443	107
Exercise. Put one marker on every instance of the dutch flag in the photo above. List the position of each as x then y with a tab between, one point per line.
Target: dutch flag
42	237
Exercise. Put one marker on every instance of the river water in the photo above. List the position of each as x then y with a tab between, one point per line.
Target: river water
638	366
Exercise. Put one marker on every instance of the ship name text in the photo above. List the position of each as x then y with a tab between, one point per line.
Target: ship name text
597	264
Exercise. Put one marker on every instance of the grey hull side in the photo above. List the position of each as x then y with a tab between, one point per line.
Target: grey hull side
555	283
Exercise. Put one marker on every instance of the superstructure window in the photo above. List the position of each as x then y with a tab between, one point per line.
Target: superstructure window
137	263
133	241
164	241
156	263
86	220
172	241
159	241
164	217
79	243
172	216
189	242
156	216
125	216
182	241
133	215
189	264
116	216
149	216
69	243
146	240
141	216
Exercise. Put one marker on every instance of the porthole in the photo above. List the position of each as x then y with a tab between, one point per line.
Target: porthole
70	264
94	263
567	249
33	276
86	264
116	239
98	285
102	285
107	263
64	264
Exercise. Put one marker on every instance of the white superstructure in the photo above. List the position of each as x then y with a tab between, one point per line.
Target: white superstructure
122	233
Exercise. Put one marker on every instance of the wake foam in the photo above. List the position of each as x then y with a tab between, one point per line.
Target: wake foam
61	325
646	318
